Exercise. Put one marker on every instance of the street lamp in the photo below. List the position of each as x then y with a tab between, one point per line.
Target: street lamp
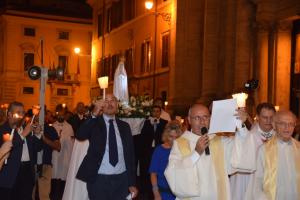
166	17
149	5
77	51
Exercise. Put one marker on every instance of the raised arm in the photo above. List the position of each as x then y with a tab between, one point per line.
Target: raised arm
85	130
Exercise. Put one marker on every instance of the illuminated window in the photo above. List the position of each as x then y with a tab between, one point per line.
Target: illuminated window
28	60
63	62
165	53
146	55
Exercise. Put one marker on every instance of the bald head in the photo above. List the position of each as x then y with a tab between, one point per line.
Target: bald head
197	107
198	117
284	113
285	122
110	105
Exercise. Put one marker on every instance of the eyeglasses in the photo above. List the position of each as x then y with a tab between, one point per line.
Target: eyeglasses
284	124
202	118
174	127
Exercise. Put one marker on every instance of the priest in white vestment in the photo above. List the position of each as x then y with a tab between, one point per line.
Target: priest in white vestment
263	131
278	168
75	189
192	174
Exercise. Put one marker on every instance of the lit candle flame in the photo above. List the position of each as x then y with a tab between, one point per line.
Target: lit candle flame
36	109
241	99
17	116
6	137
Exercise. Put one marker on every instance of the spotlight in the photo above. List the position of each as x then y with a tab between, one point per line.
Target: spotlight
251	84
34	72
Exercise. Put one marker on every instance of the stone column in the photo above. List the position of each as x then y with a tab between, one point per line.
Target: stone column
185	76
262	62
283	64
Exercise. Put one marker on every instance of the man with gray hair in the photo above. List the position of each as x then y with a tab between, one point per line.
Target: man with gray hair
278	167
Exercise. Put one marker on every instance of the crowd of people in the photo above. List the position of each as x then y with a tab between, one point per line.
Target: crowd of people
92	154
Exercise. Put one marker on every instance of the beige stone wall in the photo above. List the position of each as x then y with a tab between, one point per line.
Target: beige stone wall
131	35
216	46
14	78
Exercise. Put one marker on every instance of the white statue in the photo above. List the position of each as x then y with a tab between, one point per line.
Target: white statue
120	83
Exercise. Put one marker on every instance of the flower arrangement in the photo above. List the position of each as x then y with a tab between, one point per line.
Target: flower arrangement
137	107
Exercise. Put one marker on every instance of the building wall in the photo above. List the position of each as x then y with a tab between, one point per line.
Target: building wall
131	34
216	46
14	78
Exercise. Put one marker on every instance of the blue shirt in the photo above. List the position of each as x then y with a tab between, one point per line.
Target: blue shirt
159	162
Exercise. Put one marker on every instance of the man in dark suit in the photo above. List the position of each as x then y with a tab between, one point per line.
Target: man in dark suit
151	136
78	118
17	175
109	166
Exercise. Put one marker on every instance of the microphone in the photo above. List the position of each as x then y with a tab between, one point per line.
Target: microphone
204	131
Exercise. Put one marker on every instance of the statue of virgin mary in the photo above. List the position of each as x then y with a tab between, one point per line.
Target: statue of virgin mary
120	83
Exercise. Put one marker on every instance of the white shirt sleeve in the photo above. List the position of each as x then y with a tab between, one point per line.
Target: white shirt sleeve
239	147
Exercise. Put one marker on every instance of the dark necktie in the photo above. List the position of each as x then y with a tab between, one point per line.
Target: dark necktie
155	125
113	148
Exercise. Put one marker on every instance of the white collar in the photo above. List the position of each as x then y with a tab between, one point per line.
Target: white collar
152	120
107	118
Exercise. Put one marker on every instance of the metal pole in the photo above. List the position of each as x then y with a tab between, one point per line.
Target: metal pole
42	52
43	80
154	56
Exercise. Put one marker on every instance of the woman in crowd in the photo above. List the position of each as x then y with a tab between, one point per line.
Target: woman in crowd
159	162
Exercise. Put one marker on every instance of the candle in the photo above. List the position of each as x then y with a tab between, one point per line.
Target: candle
6	137
241	99
103	83
12	134
32	119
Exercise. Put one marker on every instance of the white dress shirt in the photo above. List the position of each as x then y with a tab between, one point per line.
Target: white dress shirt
106	167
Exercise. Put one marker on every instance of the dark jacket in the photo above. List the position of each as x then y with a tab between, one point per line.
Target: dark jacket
94	130
148	135
10	170
75	122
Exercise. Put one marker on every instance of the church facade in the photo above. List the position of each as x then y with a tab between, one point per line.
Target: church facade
187	51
